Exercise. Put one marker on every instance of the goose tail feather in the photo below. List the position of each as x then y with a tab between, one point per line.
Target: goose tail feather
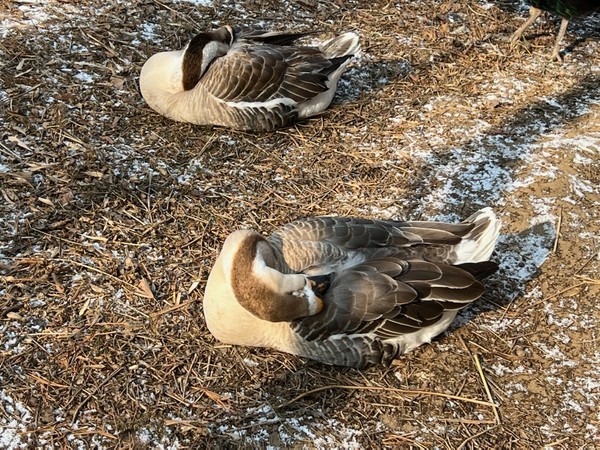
343	45
479	244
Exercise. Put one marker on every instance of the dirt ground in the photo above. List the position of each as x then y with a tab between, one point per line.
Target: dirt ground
111	217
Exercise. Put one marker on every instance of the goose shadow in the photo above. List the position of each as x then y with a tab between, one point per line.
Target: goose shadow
520	257
485	169
584	29
480	172
365	77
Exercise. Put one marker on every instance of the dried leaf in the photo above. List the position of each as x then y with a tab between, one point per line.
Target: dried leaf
46	201
94	174
85	307
145	287
19	142
117	82
193	287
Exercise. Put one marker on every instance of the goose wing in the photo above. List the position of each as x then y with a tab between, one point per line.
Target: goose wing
326	244
248	34
268	77
390	297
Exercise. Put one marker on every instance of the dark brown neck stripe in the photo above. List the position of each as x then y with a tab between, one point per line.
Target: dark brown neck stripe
192	60
254	295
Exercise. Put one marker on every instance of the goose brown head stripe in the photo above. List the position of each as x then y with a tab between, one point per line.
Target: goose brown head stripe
192	59
252	293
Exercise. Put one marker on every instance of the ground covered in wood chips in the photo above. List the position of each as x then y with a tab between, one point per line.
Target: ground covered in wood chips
111	217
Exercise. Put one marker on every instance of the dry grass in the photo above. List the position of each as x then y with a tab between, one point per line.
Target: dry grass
112	216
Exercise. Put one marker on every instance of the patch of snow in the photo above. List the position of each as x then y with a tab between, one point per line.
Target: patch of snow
502	370
84	77
250	362
12	341
556	354
14	425
148	31
34	15
581	187
578	159
524	253
552	319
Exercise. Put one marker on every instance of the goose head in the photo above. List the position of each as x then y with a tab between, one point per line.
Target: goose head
166	74
246	272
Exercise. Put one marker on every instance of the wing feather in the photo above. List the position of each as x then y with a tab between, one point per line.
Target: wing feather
389	297
245	76
253	73
330	242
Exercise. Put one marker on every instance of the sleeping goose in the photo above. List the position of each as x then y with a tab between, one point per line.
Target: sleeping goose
246	79
348	291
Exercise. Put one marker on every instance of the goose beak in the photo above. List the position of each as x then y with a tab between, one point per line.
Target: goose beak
319	284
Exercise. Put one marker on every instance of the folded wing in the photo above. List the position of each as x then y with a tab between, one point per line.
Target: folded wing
325	244
255	73
389	297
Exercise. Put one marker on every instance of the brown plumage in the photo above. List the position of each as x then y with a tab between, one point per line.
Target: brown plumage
246	79
348	291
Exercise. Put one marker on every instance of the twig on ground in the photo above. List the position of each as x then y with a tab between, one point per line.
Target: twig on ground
558	225
486	387
87	399
385	389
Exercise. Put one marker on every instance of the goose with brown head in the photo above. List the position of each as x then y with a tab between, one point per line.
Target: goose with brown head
348	291
261	288
246	79
202	50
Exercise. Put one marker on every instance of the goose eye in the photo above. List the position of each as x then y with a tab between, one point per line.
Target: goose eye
319	284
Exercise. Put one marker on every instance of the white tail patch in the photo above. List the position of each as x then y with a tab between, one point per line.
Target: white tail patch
479	248
346	44
269	104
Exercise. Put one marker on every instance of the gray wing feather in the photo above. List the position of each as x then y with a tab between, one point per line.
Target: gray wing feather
267	37
388	278
354	351
251	74
331	241
389	297
243	76
259	73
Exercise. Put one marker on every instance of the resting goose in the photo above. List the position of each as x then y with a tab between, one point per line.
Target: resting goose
246	79
348	291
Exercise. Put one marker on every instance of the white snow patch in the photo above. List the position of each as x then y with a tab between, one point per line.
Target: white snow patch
13	426
581	187
149	31
250	362
502	370
34	15
84	77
